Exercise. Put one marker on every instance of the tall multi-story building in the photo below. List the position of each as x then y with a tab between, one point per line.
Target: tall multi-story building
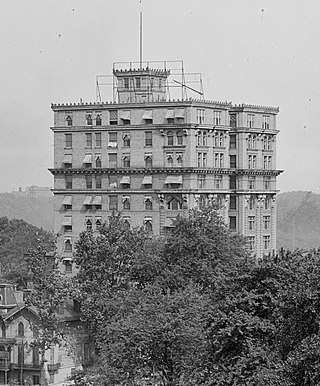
153	158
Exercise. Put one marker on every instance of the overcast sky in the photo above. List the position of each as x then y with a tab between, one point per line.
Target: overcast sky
248	51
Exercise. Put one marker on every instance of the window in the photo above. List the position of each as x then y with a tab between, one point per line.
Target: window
200	116
98	139
251	223
251	243
113	117
233	161
266	222
267	142
89	140
174	204
67	161
113	202
126	161
202	138
169	159
201	181
98	223
138	82
98	161
98	119
218	160
233	141
179	159
35	355
88	224
233	120
266	242
269	162
250	120
67	224
233	202
179	137
217	182
160	84
217	118
112	160
36	379
232	223
127	221
251	182
170	138
69	119
251	203
233	182
148	225
68	181
267	183
51	378
148	138
113	182
126	82
267	204
98	179
126	140
20	356
97	202
89	181
265	162
265	122
252	142
148	161
148	203
147	182
148	117
252	159
202	160
126	203
89	119
113	140
21	330
68	140
67	245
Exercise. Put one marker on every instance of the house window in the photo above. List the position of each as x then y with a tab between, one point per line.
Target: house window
148	139
112	160
98	139
265	122
148	225
200	116
126	82
232	223
251	243
267	139
252	161
127	222
89	181
179	159
148	203
266	242
217	182
88	224
169	159
251	223
233	182
113	202
267	203
202	138
138	82
126	140
67	245
89	140
68	140
68	181
170	138
98	179
201	181
36	379
179	138
126	161
69	120
252	142
217	118
233	161
113	117
98	223
202	160
89	119
160	84
233	120
35	355
250	120
98	119
113	140
251	203
113	182
174	204
267	183
265	162
98	161
233	202
218	160
233	141
20	329
251	182
148	161
126	203
266	222
20	356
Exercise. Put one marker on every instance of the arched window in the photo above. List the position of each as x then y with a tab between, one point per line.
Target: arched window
251	203
126	141
148	225
98	162
204	138
126	203
254	142
148	204
89	119
170	160
179	159
148	161
126	161
68	245
221	140
89	224
179	137
69	120
170	138
98	120
174	204
20	329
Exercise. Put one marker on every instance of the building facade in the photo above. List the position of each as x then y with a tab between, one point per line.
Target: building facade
152	158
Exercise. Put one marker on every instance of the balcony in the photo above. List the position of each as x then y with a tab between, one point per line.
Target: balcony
26	366
53	366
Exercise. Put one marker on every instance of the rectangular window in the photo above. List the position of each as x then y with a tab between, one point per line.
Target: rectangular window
201	181
232	223
251	223
251	182
265	122
252	160
112	160
148	138
233	161
266	222
36	379
250	120
98	181
251	243
89	140
233	202
233	120
113	183
113	114
98	139
68	181
267	203
138	82
217	118
68	140
233	182
89	181
98	221
126	82
113	140
269	162
218	182
267	183
265	162
200	116
233	141
266	242
113	202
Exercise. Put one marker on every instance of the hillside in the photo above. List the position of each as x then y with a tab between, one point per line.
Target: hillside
298	220
37	211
